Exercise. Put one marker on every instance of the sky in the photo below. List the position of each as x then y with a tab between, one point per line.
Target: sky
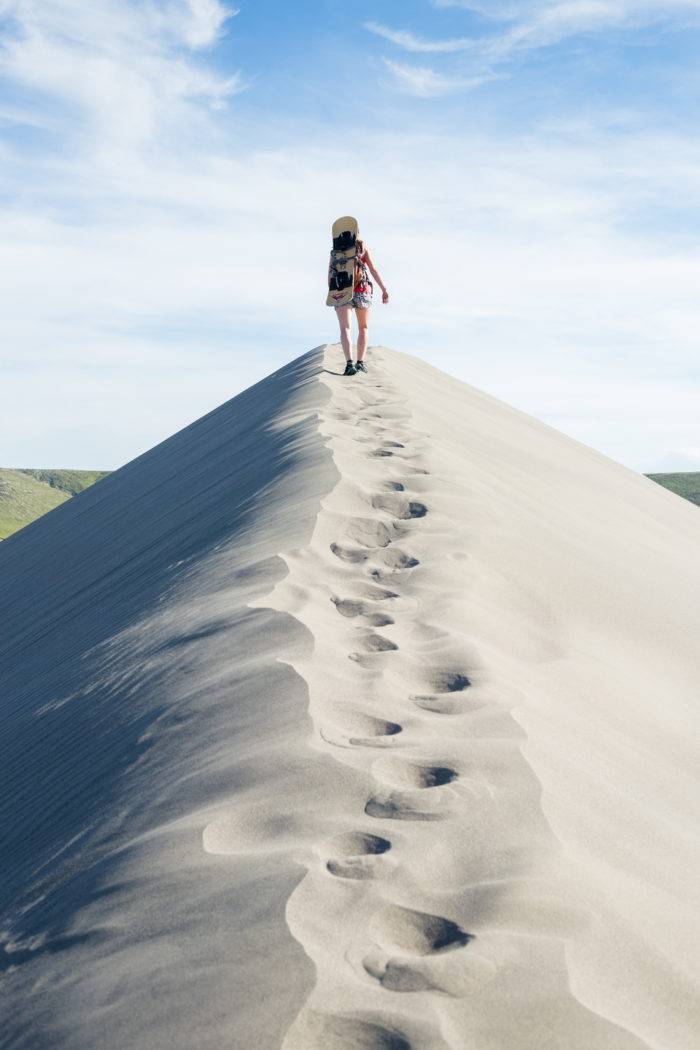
526	173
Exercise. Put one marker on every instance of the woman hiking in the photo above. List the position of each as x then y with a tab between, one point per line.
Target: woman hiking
361	302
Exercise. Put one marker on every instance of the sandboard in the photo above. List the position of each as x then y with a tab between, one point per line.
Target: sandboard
341	271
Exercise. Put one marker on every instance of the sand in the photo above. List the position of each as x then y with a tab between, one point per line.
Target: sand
359	714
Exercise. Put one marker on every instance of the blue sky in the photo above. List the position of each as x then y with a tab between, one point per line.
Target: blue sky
526	173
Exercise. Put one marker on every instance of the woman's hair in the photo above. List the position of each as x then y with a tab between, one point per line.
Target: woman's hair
360	245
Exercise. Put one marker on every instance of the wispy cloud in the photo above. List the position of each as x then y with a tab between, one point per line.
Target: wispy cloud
546	21
531	25
543	23
127	71
514	9
410	42
424	82
202	21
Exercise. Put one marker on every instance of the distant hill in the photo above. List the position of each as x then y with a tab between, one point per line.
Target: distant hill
686	485
27	494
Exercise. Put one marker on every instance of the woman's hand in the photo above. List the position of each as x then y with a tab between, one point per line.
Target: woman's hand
385	296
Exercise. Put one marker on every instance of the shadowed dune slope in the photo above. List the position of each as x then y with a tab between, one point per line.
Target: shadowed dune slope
129	663
357	715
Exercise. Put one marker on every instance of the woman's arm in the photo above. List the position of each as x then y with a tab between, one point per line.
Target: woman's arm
373	270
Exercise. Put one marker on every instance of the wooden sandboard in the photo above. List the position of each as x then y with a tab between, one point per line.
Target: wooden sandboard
341	273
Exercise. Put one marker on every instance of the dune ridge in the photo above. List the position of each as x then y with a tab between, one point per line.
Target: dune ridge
443	903
381	738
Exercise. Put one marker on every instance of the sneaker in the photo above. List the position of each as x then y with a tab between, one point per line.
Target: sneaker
349	369
361	367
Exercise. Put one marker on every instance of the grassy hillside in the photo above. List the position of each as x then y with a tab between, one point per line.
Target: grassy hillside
686	485
69	481
27	494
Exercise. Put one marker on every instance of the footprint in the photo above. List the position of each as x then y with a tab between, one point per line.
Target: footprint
376	643
397	559
379	620
348	607
375	733
380	453
357	855
394	805
351	608
395	486
348	554
368	532
392	444
416	509
377	594
417	932
399	506
356	729
444	683
409	775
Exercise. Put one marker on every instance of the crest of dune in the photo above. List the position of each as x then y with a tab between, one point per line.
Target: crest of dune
358	714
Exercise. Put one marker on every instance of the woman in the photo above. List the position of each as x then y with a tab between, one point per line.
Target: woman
361	303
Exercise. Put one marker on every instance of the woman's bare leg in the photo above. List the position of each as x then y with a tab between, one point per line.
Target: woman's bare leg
362	322
343	313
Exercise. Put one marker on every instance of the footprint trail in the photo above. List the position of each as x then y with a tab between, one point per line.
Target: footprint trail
406	907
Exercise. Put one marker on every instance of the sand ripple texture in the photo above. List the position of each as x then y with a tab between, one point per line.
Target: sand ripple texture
440	906
356	716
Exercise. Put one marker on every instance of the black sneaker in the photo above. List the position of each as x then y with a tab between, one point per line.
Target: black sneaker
349	369
361	367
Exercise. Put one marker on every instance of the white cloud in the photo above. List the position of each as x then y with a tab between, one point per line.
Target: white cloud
510	10
123	69
205	21
424	82
546	21
534	24
410	42
509	265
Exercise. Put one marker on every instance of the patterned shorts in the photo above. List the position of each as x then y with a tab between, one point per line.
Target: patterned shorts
363	300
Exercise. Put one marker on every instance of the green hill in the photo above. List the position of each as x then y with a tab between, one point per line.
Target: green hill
69	481
27	494
686	485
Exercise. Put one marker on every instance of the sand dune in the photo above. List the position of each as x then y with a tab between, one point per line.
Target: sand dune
356	715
